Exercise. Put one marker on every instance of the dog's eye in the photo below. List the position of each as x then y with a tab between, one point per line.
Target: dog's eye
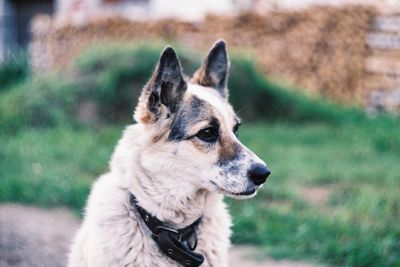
209	134
236	129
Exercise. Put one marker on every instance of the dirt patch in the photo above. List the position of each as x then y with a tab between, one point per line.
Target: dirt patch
315	195
247	256
31	236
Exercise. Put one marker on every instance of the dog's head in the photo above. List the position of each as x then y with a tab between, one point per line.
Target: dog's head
192	129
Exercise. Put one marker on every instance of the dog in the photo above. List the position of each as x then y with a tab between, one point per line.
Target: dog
168	174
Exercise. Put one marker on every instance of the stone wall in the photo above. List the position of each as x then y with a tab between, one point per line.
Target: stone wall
321	50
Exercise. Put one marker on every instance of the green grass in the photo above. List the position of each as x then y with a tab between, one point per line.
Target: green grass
356	226
52	167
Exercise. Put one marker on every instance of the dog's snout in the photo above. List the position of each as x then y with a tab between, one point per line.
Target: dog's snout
258	173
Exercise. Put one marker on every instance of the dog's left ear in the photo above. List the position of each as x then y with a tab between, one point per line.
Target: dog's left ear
214	71
164	91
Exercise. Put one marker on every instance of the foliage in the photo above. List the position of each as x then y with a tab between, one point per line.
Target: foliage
116	75
41	101
112	78
119	73
258	98
13	70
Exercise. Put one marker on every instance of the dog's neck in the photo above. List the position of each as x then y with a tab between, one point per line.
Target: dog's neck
178	209
178	206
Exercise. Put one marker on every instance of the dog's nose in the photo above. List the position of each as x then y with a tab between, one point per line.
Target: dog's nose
258	173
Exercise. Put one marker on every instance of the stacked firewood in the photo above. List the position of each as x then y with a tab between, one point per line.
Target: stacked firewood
382	82
321	50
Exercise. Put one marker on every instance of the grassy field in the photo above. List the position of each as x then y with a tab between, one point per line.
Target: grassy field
353	223
333	195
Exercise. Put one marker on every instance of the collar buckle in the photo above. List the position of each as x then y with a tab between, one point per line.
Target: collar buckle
178	245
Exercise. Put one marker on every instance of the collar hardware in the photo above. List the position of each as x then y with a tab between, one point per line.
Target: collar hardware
177	244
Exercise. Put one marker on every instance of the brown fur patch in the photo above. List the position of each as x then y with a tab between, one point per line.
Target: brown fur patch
142	113
229	150
201	146
163	131
200	78
158	137
145	117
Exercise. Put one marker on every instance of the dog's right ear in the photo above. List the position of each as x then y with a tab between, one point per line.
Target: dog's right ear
163	91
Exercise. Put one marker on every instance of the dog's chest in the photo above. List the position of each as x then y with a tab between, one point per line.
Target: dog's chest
113	234
146	252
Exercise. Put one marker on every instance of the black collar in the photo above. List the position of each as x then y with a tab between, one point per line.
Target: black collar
177	244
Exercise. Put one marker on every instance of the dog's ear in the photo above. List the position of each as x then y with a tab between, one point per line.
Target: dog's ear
164	91
214	71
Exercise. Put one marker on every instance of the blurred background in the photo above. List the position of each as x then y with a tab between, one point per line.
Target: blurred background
316	82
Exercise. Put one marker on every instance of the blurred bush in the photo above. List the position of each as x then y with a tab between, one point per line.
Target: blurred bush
255	97
13	70
112	78
120	73
41	101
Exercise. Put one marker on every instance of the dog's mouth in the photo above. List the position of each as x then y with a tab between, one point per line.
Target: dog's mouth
244	194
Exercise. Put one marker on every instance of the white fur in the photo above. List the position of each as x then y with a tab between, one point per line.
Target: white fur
212	97
112	234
